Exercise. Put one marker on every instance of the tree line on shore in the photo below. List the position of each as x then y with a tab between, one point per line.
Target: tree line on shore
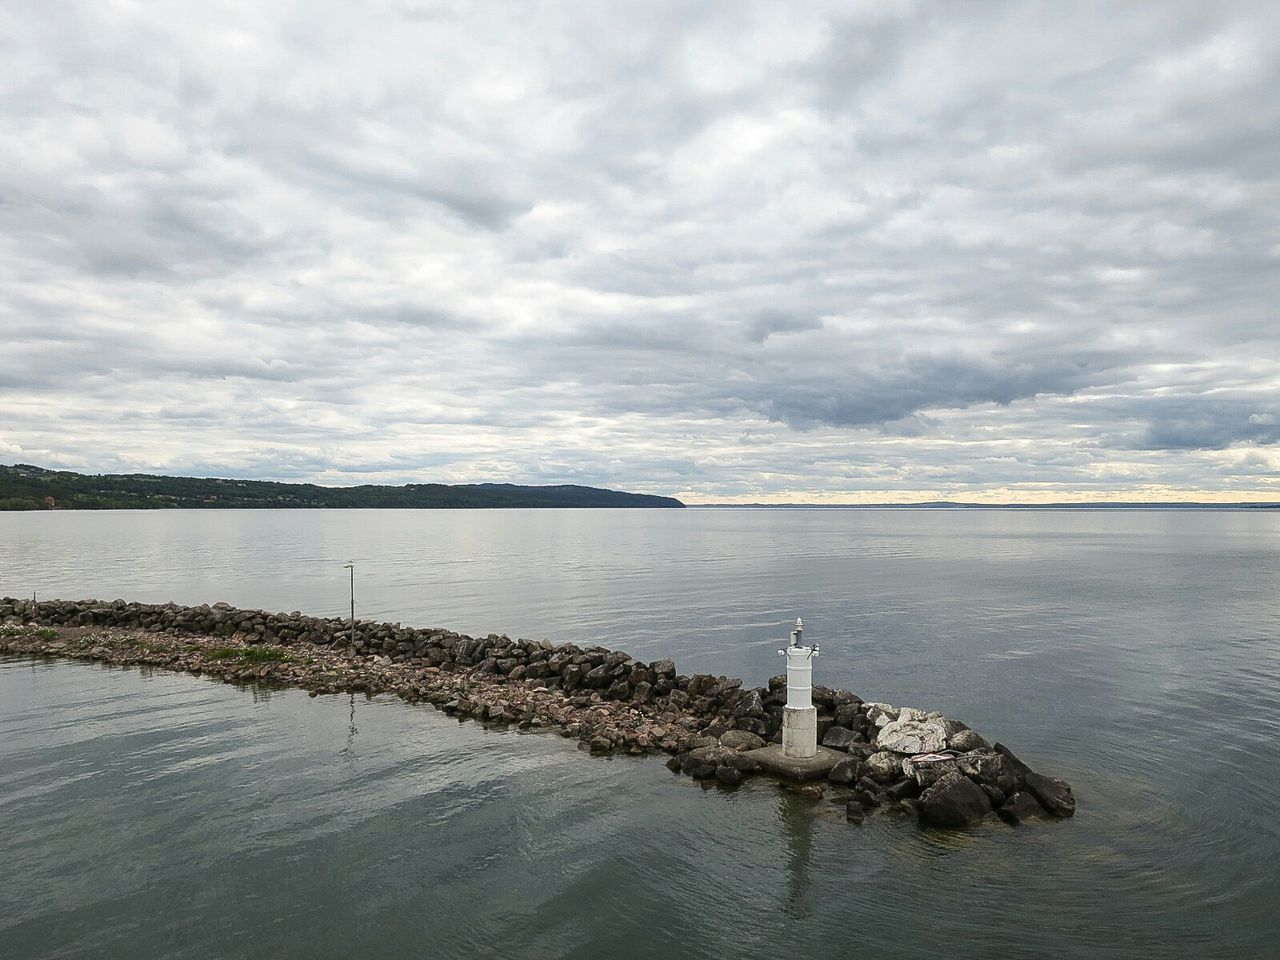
27	487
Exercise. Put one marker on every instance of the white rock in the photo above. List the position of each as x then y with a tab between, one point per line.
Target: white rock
913	736
881	713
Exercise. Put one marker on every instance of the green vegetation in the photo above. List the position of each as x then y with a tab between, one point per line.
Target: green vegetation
24	487
39	633
250	655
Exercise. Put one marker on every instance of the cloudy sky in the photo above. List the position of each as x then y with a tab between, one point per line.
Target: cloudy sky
729	251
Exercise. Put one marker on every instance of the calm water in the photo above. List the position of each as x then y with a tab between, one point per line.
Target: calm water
1135	653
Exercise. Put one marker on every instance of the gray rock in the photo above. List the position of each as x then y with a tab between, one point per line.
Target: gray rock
729	776
854	812
927	773
750	705
883	766
846	771
839	738
846	715
988	769
1054	795
953	802
716	754
741	740
1021	806
903	790
966	740
1020	768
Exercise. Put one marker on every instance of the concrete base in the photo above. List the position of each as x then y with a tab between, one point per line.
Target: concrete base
800	732
773	760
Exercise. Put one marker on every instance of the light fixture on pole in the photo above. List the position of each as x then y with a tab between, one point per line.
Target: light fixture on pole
351	565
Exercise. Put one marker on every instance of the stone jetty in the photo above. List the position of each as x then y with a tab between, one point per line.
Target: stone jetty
894	759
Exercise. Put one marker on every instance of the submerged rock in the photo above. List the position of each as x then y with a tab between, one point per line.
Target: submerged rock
846	771
1054	795
1021	806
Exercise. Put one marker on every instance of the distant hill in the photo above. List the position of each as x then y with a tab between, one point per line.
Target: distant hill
24	487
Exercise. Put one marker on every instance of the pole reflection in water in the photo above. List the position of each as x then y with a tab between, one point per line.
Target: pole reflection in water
796	814
350	749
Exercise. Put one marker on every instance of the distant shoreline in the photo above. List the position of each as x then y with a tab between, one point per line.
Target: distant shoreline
24	487
1116	505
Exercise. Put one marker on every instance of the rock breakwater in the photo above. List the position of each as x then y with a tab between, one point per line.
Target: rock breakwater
922	764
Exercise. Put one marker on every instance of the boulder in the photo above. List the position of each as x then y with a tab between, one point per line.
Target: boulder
854	812
729	776
751	705
839	738
994	794
988	769
966	740
953	802
663	668
883	766
1054	795
903	790
716	754
880	714
912	736
845	771
1020	768
927	773
741	740
1021	806
846	715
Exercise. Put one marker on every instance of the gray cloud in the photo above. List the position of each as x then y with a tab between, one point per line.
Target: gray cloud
740	250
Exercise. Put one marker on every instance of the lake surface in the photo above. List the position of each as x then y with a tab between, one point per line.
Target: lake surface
1135	653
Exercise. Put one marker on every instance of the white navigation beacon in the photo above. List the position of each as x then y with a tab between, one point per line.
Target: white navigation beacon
800	717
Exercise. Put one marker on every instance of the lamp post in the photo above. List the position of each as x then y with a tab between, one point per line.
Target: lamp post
351	565
800	716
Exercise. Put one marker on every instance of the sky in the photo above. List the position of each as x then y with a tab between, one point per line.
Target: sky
728	251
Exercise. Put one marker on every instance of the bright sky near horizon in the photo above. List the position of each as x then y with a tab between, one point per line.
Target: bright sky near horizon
729	251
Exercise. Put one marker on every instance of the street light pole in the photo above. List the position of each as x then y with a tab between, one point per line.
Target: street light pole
351	565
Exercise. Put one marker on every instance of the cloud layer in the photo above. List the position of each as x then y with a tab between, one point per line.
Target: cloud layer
732	251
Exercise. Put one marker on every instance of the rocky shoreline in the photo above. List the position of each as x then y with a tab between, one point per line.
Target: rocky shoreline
899	759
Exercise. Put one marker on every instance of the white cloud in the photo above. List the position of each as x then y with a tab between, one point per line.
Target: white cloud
738	250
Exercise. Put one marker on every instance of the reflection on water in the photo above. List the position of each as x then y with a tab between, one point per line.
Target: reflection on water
795	814
145	814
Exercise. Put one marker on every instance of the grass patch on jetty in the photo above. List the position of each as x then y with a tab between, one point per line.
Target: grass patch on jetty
39	633
250	655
